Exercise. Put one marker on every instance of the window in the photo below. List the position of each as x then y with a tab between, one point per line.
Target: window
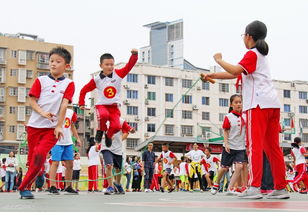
169	81
206	86
14	54
2	94
206	116
287	108
132	78
2	74
302	109
302	95
132	110
186	130
221	116
43	58
169	113
205	100
41	73
12	129
287	137
1	111
133	125
12	110
21	97
2	55
27	92
223	102
224	87
186	114
305	137
13	92
186	83
187	99
151	95
132	94
21	114
28	110
303	123
169	129
30	55
286	93
13	72
287	122
29	74
152	80
131	143
151	128
169	97
151	111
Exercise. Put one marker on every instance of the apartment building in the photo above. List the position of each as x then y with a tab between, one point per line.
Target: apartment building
23	58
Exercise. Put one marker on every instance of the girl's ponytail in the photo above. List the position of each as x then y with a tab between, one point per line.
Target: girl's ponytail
262	47
296	142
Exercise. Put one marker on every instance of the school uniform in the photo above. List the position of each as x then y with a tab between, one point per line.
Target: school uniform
76	169
49	93
300	165
262	107
109	97
93	163
167	158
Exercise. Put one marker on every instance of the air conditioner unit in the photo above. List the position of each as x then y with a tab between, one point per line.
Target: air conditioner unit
126	102
146	102
146	86
137	118
126	86
198	88
195	107
291	114
147	119
146	135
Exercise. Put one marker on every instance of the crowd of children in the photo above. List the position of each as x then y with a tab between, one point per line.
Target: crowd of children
250	131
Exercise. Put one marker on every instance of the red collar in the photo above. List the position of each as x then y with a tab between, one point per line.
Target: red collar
236	113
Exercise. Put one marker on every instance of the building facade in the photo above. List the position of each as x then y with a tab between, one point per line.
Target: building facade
23	58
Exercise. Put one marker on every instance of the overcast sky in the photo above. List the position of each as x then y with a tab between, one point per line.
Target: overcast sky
97	26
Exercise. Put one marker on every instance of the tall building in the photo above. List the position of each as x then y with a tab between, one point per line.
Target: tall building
23	58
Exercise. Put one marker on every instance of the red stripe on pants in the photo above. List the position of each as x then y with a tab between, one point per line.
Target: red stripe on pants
263	135
93	175
154	183
109	113
40	142
302	174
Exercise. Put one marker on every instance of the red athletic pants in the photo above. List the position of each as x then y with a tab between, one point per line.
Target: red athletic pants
263	129
301	174
109	113
93	175
40	142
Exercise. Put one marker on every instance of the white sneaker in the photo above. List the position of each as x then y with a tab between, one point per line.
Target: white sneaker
278	194
147	190
251	193
214	189
232	193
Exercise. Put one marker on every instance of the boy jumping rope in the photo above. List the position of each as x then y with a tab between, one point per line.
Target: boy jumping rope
49	97
108	84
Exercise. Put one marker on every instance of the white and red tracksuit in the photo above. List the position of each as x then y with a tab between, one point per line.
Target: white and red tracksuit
93	163
300	162
157	173
109	96
262	107
49	93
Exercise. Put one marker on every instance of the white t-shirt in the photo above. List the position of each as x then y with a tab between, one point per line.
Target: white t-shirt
257	85
76	165
70	118
11	160
183	170
195	155
167	158
2	172
127	167
211	163
298	154
93	156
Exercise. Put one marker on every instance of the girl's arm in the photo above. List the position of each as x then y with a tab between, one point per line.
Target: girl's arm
226	138
232	69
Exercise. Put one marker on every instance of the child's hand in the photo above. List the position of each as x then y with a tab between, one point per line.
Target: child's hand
207	77
47	115
217	57
132	130
78	143
227	148
81	107
134	51
58	132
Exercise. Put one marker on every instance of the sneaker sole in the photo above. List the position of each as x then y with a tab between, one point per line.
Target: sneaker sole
70	194
259	196
285	196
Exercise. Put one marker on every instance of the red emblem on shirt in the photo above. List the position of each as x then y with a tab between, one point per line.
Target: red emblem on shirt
110	92
67	123
165	160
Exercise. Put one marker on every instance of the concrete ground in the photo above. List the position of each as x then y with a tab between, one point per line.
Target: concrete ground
148	202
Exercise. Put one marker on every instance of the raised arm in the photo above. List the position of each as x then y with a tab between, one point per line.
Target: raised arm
128	67
87	88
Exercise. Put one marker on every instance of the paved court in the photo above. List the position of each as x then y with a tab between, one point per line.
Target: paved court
148	202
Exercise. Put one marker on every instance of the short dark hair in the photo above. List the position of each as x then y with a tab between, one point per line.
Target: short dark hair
209	149
165	144
105	56
63	53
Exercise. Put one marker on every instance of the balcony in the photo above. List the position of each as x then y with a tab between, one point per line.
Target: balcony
2	61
